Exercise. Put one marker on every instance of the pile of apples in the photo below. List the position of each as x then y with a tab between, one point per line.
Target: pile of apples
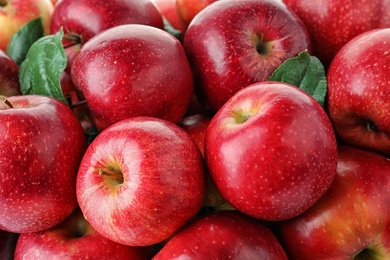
182	129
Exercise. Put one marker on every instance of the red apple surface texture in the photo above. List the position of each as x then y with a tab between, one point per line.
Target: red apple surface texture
271	151
332	23
231	44
9	76
133	70
188	9
74	238
223	235
351	221
15	13
40	150
141	180
359	91
83	19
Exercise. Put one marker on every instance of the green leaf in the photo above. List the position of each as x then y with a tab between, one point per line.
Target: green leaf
22	40
306	72
40	72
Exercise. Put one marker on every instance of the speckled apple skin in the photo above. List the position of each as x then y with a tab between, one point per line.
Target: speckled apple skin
280	161
332	23
223	235
359	91
133	70
221	48
41	146
163	181
353	214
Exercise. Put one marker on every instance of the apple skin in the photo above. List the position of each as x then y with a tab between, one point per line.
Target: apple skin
83	19
223	235
187	9
359	90
141	180
133	70
168	10
15	13
332	23
271	151
42	145
74	238
7	244
9	76
231	44
351	218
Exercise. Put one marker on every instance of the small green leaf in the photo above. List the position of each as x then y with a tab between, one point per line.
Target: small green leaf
171	30
306	72
40	72
22	40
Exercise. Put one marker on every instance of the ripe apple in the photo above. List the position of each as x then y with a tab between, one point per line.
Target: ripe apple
168	10
133	70
351	220
332	23
271	151
74	238
359	91
15	13
140	180
41	146
187	9
223	235
231	44
7	244
83	19
9	76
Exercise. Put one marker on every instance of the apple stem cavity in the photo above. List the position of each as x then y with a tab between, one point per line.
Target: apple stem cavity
3	99
261	47
113	173
3	3
364	255
72	38
371	126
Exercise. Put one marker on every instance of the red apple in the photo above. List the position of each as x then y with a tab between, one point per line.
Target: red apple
271	151
15	13
133	70
7	244
74	238
359	91
168	9
9	76
351	221
141	180
223	235
83	19
231	44
40	150
332	23
187	9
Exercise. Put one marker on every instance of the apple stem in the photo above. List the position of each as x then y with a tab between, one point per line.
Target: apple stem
78	104
371	126
112	173
3	99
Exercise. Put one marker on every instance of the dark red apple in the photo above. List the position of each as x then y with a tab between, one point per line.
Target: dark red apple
41	147
231	44
223	235
133	70
352	219
271	151
332	23
359	91
7	244
74	238
9	76
140	181
83	19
